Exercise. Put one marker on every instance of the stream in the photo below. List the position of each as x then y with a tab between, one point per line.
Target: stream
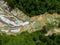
14	24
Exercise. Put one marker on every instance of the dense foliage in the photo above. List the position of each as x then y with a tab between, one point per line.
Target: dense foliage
36	7
25	38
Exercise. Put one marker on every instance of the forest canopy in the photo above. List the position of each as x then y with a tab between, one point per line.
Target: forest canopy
25	38
36	7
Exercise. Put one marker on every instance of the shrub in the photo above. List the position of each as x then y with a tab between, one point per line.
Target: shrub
58	21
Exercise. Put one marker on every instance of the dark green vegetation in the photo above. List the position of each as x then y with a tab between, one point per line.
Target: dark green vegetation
31	8
25	38
36	7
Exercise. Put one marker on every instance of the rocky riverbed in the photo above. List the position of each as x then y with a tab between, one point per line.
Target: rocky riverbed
15	21
10	21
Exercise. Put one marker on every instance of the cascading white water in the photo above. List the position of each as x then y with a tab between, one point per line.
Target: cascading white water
16	23
6	20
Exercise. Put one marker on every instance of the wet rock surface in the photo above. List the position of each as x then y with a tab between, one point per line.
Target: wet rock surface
15	21
8	21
